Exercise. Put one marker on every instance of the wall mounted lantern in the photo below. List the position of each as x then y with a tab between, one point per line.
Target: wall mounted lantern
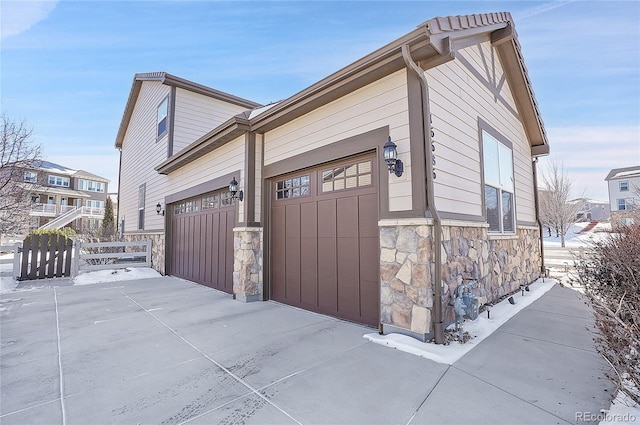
159	209
391	158
233	189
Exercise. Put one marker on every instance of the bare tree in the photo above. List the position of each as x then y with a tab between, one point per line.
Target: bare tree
17	152
555	208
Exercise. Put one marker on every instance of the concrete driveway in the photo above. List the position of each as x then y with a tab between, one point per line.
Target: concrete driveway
164	350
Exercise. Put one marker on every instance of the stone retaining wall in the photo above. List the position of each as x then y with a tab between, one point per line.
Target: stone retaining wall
499	265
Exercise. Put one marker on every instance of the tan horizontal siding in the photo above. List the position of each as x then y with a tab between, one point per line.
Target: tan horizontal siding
140	153
196	115
458	99
379	104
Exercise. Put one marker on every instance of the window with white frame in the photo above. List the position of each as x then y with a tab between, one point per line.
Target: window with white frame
58	181
624	186
498	185
92	203
30	176
625	204
90	185
163	112
141	195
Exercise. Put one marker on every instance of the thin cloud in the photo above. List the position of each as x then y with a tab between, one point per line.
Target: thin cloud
19	16
533	11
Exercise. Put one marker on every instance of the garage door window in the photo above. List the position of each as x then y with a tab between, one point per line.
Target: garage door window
294	187
347	177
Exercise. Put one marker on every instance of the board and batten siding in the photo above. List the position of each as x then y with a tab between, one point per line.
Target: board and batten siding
224	160
140	153
379	104
458	98
196	115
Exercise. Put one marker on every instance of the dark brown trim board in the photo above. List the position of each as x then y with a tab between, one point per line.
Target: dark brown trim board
172	120
418	155
249	203
208	186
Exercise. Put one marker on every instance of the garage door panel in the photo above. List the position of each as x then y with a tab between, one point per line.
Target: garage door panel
309	271
316	241
278	239
327	275
309	220
229	265
369	300
292	221
327	217
368	216
348	277
202	242
292	275
347	217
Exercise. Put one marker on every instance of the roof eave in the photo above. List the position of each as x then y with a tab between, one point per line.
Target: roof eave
219	136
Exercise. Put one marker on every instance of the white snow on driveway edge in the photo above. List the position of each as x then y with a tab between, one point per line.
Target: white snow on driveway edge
114	275
479	329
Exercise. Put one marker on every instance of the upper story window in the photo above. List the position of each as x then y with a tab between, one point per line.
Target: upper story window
141	201
90	185
625	204
498	185
30	176
624	186
163	112
59	181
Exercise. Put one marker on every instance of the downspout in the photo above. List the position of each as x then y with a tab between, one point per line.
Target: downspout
537	205
438	325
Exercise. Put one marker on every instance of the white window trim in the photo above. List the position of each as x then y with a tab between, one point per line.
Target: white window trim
500	186
62	179
626	189
166	119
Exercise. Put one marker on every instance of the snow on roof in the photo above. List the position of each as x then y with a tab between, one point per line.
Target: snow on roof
258	111
53	168
618	173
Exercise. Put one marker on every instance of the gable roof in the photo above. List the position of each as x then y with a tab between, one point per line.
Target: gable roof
619	173
431	44
172	80
52	167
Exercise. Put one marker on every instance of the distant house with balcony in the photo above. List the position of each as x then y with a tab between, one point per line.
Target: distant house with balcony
61	196
624	195
592	209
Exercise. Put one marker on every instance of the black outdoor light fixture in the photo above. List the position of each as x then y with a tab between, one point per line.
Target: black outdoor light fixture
233	189
159	209
391	158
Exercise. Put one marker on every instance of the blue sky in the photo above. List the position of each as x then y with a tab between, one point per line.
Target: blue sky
67	66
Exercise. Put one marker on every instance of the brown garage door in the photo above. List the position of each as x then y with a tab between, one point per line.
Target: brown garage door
202	240
324	244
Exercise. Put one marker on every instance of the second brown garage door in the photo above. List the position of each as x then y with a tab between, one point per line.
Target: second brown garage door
202	240
324	243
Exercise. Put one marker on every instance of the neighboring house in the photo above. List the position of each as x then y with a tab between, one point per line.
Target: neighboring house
592	210
322	224
62	196
624	195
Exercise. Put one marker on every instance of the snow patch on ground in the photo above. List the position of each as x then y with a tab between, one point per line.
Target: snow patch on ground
573	237
115	275
622	410
479	329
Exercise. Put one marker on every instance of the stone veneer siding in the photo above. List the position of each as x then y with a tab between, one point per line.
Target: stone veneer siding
499	264
157	247
247	263
617	217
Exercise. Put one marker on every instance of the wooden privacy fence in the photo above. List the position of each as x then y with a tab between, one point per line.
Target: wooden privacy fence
45	256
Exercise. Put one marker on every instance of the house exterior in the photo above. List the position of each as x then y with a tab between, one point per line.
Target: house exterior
624	195
324	223
592	209
62	196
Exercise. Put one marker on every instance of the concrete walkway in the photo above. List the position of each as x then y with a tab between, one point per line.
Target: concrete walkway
166	351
